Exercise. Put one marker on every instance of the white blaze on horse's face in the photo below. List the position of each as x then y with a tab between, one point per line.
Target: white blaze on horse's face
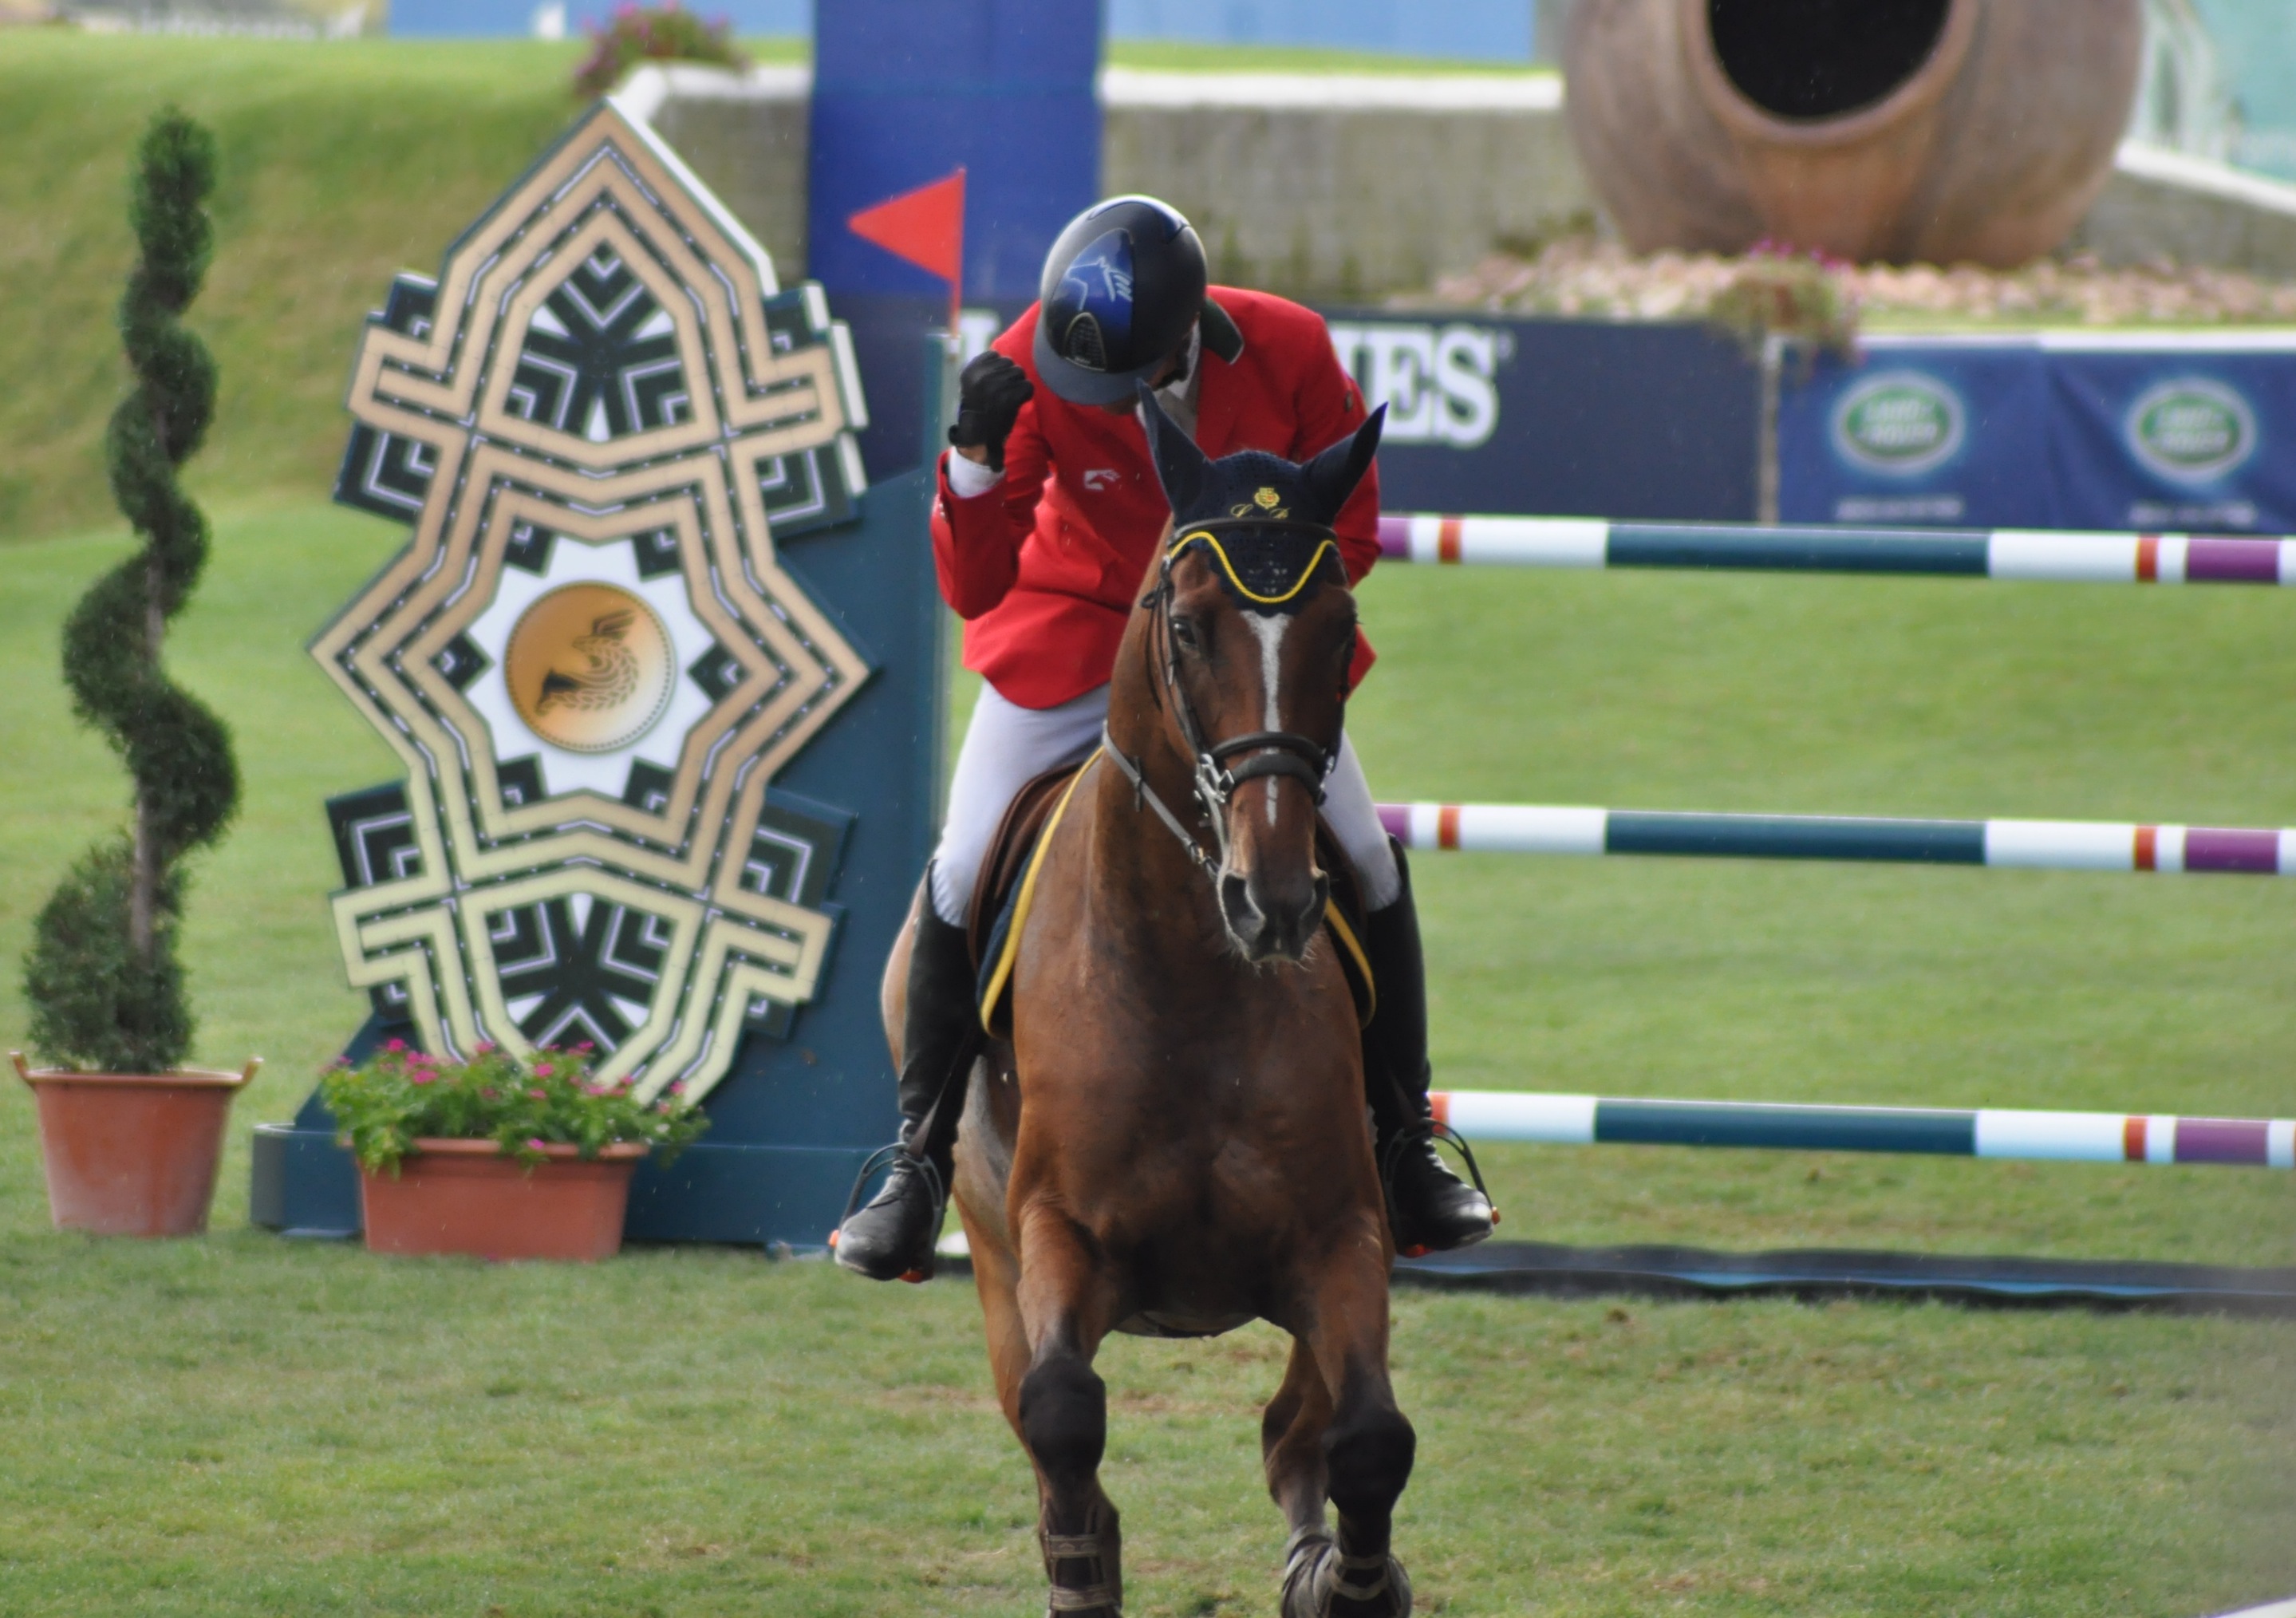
1268	629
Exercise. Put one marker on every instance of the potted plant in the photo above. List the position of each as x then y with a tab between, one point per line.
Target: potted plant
496	1158
130	1138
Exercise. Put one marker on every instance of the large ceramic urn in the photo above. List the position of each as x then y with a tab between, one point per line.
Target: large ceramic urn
1943	131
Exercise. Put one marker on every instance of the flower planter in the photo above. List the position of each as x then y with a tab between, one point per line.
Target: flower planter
132	1154
467	1196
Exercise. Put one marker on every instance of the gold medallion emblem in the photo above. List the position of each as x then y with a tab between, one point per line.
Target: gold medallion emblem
590	668
1266	499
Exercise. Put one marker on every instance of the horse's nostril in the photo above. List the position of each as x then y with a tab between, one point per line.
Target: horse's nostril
1245	918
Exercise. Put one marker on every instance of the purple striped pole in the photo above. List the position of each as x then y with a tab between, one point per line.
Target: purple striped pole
2047	845
2005	553
2099	1137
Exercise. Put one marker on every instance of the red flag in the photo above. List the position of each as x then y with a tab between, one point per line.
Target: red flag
925	227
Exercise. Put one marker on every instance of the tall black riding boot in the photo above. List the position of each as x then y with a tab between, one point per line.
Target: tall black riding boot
892	1239
1430	1208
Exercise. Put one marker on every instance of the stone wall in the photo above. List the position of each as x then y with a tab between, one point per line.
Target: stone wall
2165	205
1346	186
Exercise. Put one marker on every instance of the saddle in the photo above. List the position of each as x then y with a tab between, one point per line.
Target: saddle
1001	893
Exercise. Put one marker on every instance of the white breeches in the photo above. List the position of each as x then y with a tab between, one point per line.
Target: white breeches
1006	746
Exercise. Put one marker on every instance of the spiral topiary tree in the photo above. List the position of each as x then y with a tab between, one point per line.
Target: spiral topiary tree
102	977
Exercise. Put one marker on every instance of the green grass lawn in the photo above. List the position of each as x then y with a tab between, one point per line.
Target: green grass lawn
243	1425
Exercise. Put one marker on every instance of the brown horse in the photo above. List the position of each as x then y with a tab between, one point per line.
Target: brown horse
1174	1142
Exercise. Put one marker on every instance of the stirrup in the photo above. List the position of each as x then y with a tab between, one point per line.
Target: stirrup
884	1157
1432	1130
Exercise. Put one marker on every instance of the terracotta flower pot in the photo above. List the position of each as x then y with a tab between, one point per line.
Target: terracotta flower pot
1939	130
132	1154
467	1196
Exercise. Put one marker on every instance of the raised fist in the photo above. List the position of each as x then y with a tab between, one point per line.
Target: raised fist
989	393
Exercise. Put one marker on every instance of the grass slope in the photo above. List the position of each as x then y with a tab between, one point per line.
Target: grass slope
247	1425
342	164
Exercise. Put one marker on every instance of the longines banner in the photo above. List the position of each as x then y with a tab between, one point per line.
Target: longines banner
659	676
1534	416
2179	431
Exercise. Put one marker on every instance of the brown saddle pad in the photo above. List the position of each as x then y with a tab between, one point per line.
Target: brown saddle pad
1008	855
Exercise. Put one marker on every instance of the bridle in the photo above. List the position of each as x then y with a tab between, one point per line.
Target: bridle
1264	752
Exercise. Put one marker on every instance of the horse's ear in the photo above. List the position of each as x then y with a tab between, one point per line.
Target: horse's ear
1180	467
1332	476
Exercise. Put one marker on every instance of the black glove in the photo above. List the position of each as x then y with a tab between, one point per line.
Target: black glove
989	393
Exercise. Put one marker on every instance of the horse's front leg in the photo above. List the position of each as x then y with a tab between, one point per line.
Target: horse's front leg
1065	1302
1292	1444
1363	1442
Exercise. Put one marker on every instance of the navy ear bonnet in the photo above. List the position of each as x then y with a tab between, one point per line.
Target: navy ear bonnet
1265	522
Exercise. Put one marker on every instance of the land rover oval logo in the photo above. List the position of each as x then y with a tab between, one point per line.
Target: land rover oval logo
589	668
2191	429
1902	421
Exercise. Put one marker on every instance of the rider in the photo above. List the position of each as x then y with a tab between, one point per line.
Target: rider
1049	514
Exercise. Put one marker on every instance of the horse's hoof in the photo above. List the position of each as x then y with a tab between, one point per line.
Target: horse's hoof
1321	1582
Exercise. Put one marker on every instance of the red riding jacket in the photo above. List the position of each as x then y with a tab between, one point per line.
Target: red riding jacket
1046	567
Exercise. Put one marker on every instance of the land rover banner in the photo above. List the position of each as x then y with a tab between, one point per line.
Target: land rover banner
1942	433
2190	433
2174	431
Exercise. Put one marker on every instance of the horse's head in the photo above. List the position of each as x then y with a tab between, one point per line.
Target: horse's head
1250	636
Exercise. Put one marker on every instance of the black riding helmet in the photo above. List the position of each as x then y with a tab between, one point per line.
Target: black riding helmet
1121	287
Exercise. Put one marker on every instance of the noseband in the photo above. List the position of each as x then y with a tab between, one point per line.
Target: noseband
1264	752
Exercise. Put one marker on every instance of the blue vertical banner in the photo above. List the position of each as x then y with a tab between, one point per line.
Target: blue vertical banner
1916	432
2189	433
904	91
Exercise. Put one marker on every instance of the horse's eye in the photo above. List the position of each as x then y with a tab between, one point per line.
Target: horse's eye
1185	633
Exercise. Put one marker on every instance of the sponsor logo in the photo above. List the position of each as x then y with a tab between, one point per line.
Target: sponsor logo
589	668
2190	430
1439	383
1099	478
1901	423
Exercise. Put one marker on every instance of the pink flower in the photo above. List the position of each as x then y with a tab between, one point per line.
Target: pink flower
542	1070
535	1144
539	1094
421	1077
678	1087
394	1044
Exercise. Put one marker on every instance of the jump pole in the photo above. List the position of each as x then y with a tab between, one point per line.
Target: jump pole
2094	1137
2045	845
2033	556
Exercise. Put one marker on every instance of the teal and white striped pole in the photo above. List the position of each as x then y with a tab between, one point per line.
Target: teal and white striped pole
2031	555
